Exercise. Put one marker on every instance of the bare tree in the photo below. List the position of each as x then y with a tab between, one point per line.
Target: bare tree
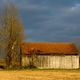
11	34
33	58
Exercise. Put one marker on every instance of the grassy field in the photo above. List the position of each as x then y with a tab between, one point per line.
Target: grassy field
40	75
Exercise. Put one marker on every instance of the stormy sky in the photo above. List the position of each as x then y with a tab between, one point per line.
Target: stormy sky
49	20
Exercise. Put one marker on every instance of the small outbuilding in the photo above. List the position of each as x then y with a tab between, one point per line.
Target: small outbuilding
51	55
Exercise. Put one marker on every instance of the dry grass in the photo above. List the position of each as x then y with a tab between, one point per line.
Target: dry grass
40	75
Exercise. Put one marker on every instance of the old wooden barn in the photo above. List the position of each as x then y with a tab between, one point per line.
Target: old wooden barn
51	55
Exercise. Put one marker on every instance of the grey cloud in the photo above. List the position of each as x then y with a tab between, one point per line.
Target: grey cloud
50	20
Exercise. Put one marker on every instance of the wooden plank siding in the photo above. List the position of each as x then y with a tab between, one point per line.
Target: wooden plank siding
55	62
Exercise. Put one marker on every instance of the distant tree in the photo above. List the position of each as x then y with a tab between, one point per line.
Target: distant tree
11	35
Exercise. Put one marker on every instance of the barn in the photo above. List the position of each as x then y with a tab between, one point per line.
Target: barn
51	55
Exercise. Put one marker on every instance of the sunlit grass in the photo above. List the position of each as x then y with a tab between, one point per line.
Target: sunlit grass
34	74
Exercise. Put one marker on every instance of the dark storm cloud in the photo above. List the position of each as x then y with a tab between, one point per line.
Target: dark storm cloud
50	20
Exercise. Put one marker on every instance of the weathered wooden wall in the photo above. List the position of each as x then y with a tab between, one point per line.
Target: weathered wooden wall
25	61
56	62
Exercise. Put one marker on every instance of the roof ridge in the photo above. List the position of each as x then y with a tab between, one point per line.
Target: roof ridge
52	42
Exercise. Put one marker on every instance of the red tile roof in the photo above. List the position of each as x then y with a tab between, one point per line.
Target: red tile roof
50	48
